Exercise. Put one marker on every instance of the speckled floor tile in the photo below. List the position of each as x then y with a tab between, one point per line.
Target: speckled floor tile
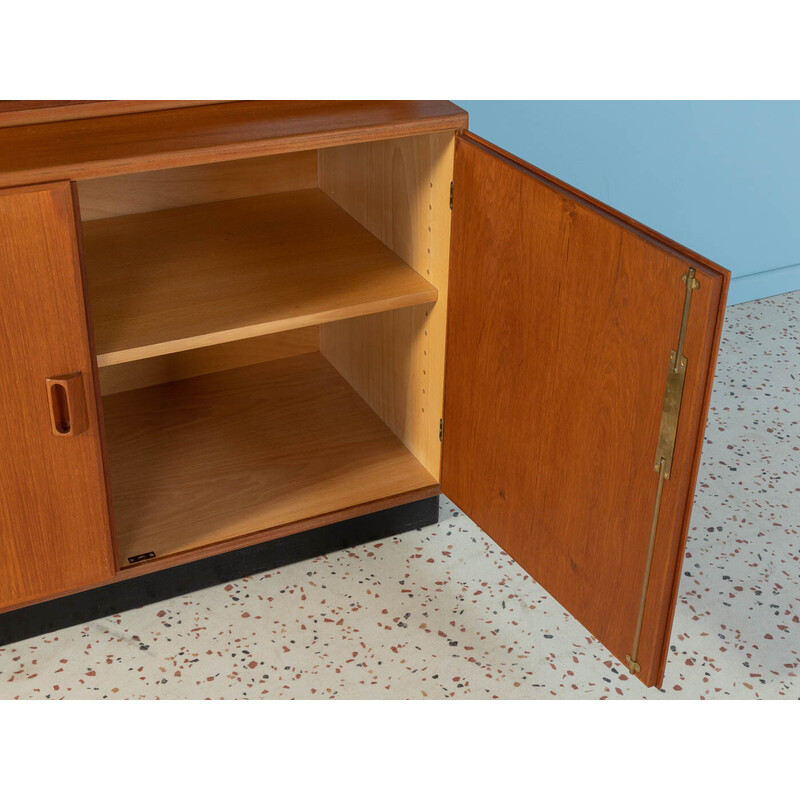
443	612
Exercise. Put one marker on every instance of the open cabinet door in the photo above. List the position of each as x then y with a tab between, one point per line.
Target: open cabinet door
580	357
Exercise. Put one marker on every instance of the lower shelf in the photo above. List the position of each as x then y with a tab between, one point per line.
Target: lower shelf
209	459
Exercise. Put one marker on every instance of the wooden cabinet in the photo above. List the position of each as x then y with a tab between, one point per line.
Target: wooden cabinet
302	312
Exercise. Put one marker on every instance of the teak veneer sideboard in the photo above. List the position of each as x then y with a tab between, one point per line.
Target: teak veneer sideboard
236	325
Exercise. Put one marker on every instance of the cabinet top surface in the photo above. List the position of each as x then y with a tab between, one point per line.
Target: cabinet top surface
121	142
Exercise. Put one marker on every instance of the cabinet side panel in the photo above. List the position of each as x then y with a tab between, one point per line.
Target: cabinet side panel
54	525
399	190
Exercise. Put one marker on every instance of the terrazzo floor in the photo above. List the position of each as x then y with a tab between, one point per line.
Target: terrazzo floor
443	612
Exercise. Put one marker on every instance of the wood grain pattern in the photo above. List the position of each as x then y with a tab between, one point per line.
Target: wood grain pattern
140	192
220	456
400	191
68	416
205	360
34	112
7	106
191	277
92	148
561	320
54	525
218	548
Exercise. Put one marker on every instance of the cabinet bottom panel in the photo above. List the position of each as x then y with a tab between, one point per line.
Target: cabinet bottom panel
114	598
211	459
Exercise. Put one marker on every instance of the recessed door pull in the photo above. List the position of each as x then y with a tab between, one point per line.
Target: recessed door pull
67	404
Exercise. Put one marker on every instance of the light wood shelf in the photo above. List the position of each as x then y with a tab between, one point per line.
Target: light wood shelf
182	278
205	460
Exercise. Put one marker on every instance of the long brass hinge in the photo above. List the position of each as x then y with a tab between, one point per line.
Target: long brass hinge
451	195
441	430
665	448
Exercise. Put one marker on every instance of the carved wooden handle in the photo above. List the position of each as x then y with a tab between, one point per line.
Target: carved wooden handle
67	404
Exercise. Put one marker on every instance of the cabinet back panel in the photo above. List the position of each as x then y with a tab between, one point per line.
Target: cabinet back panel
399	189
140	192
205	360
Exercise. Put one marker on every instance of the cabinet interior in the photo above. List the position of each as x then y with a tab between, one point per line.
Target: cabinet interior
270	338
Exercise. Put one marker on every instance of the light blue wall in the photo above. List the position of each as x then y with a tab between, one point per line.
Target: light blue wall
722	178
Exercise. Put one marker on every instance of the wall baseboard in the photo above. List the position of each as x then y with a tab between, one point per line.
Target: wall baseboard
764	284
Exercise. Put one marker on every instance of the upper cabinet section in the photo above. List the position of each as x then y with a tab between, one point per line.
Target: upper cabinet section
90	148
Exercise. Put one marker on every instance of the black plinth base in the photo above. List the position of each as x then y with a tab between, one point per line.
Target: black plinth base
77	609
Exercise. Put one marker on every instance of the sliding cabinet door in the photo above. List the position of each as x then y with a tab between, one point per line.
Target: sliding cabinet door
54	519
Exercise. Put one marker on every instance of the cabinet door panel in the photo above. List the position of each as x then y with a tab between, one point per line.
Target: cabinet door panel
561	321
54	519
